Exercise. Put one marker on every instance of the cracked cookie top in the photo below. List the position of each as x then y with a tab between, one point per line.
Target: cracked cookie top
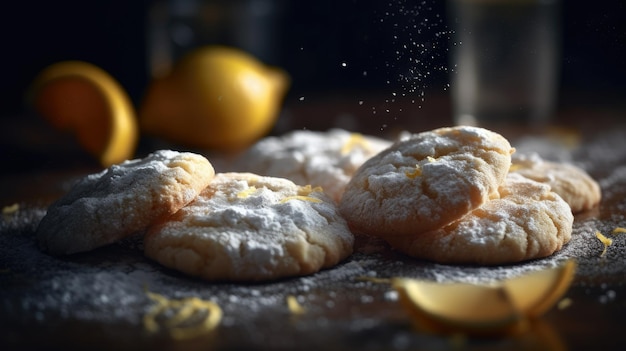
425	181
247	227
527	221
122	200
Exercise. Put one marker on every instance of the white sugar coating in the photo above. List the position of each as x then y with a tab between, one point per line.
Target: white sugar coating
121	200
572	183
527	221
327	159
425	181
248	227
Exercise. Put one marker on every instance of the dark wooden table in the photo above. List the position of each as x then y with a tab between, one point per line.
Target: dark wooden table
97	300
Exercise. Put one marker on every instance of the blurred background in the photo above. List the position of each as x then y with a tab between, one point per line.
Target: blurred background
368	53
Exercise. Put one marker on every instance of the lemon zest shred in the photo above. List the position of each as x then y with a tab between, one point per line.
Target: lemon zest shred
414	173
431	159
6	210
619	230
308	189
355	140
294	306
605	241
246	192
184	310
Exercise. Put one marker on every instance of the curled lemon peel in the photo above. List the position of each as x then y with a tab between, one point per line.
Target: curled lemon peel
414	173
605	241
619	230
184	311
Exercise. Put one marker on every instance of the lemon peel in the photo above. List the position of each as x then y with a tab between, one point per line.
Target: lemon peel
496	308
605	241
184	311
83	99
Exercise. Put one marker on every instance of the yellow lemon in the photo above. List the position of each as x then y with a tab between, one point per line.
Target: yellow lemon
215	98
536	293
502	307
83	99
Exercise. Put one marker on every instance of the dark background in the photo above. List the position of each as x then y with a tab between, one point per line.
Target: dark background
326	45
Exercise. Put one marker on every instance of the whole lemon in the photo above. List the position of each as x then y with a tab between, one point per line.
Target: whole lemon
215	97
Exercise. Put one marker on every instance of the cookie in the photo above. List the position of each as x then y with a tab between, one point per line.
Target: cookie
247	227
122	200
528	221
327	159
572	183
426	181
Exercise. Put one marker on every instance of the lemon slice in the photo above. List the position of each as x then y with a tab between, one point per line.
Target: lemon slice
458	306
216	97
484	308
535	293
86	101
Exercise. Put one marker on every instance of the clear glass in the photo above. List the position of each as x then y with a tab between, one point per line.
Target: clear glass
505	59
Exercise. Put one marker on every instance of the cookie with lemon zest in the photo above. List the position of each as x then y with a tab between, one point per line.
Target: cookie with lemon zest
277	230
319	158
425	181
122	200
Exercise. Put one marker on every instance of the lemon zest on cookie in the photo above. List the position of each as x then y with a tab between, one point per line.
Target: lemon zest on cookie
355	140
605	241
307	189
414	173
294	306
246	192
184	310
431	159
619	230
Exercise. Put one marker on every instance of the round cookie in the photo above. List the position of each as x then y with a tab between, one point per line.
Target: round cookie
122	200
573	184
246	227
327	159
426	181
528	221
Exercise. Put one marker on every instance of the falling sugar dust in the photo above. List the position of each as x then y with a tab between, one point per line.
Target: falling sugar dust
414	60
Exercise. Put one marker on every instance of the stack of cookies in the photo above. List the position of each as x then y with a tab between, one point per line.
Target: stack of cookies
291	205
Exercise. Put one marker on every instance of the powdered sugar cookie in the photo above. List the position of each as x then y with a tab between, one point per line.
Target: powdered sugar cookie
122	200
528	221
573	184
246	227
327	159
426	181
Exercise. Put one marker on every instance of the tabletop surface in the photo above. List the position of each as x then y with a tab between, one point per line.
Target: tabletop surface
99	299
